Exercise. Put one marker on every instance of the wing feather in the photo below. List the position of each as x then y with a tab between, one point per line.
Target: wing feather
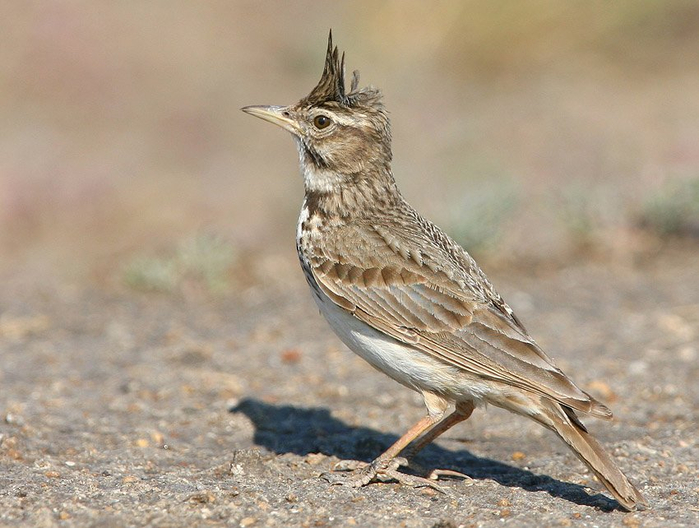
415	301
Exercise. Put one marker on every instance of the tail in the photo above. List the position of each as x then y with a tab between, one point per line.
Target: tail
563	421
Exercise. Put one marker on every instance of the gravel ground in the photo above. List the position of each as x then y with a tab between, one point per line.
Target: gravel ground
125	409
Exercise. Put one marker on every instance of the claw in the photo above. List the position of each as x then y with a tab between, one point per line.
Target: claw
435	474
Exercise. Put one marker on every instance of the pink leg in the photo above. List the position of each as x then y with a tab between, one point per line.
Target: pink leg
462	412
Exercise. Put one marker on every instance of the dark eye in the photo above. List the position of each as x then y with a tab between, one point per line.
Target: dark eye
321	121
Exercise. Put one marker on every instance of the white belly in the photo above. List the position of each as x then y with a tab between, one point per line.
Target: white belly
402	362
405	364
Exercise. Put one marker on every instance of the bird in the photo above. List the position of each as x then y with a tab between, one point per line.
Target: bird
407	298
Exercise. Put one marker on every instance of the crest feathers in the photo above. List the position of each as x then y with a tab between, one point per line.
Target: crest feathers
331	86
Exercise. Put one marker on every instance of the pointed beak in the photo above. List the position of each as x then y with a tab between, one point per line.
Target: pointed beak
279	115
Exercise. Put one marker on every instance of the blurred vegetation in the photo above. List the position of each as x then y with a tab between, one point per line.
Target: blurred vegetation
121	127
204	261
579	215
477	217
673	209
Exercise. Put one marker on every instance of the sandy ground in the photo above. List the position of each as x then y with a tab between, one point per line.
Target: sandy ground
123	409
531	128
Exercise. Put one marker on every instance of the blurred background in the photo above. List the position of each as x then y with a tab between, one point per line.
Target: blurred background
528	130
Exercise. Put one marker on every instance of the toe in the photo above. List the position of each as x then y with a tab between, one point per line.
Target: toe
349	465
436	474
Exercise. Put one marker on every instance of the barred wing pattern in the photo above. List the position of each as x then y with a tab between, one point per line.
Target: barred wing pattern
443	313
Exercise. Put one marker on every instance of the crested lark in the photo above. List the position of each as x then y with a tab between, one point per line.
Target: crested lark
406	297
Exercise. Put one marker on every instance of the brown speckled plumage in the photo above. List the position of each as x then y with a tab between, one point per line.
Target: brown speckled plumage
406	297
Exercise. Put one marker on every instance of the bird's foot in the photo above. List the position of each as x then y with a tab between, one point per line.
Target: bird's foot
437	474
379	470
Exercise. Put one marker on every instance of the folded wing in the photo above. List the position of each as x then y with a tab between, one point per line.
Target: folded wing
414	301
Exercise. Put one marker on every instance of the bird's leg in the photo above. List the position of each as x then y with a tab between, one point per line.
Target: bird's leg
385	467
462	412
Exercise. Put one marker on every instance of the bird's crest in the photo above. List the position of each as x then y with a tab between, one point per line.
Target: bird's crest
331	86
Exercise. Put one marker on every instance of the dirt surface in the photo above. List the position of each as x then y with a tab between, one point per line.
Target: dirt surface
124	409
527	130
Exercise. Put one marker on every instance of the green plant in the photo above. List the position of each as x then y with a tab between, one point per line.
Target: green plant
476	218
202	258
673	209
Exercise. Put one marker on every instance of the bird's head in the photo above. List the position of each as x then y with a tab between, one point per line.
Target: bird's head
343	138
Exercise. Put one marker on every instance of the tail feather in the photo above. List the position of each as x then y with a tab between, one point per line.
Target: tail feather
566	425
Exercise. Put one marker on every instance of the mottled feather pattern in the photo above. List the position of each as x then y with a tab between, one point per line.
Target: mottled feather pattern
416	287
408	299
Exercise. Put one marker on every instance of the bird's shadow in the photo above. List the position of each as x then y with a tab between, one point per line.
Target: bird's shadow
288	429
